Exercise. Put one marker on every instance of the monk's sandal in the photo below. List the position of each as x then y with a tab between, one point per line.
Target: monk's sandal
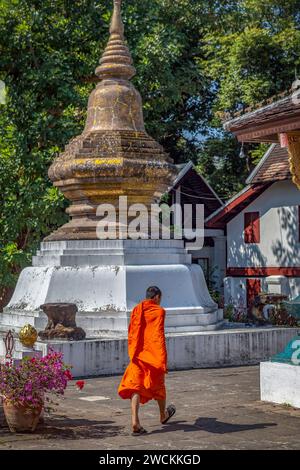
171	409
139	432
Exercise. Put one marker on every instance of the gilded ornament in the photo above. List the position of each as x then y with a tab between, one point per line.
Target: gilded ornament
294	155
28	336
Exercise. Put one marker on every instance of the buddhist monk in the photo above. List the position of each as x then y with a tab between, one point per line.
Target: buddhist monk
144	378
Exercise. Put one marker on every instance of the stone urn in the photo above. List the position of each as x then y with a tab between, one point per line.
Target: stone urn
21	418
61	322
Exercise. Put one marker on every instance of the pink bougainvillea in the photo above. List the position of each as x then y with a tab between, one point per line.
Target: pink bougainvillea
32	381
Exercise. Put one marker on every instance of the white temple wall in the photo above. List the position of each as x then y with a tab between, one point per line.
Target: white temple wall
279	230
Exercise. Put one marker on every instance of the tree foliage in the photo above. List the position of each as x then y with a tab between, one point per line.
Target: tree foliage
194	58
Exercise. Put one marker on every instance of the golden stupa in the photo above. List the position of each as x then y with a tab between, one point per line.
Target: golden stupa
114	156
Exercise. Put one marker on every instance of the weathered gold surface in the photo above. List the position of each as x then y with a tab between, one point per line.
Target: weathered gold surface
114	156
28	335
294	154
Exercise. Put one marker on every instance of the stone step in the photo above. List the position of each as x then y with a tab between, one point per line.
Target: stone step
116	251
108	260
15	321
195	329
112	244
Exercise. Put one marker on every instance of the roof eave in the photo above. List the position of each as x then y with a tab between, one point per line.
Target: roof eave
260	164
221	217
230	124
182	173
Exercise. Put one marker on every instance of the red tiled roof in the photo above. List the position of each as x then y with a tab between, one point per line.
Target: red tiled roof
274	167
234	206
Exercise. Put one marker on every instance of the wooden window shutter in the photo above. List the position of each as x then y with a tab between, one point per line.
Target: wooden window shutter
251	227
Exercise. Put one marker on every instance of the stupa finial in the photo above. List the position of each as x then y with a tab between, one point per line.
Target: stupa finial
117	26
116	61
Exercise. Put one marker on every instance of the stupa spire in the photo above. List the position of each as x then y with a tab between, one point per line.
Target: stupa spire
116	61
117	26
114	156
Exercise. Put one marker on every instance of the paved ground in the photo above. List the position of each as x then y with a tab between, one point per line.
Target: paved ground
217	409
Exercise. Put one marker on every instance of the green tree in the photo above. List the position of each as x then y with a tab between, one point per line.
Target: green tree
253	52
220	164
250	51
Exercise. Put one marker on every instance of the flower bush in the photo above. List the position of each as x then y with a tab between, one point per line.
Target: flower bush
281	317
32	381
217	297
235	314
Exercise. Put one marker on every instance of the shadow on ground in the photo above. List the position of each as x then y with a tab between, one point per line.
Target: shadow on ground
66	428
211	425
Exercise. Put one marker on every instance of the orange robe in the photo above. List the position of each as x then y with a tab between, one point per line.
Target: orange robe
147	351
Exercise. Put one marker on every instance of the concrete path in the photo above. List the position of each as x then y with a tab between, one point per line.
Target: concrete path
217	409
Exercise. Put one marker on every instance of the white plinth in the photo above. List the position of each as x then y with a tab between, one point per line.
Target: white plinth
280	383
232	347
105	279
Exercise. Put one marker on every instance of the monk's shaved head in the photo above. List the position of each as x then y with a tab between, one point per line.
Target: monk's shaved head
152	292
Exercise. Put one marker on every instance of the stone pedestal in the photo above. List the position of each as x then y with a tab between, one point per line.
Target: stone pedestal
61	322
106	279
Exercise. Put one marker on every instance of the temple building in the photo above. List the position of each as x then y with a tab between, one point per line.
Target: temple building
263	220
262	232
191	188
277	122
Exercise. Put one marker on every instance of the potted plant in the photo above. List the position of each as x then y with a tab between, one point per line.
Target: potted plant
26	386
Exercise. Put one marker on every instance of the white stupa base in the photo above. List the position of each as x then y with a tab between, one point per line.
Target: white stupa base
106	279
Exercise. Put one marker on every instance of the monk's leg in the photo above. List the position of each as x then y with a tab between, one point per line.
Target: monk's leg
162	409
135	404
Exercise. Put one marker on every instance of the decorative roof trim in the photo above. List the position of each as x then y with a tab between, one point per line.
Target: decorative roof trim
243	196
260	164
183	172
245	189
